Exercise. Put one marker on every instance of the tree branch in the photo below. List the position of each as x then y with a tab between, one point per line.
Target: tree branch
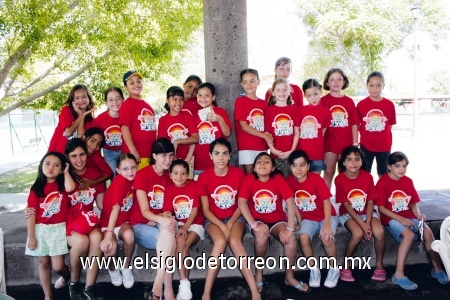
348	61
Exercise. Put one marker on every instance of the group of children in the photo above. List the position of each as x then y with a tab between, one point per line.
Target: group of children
152	202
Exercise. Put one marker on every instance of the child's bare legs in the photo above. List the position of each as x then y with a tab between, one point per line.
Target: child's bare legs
164	247
357	235
183	246
126	234
112	252
428	238
220	243
380	242
330	161
236	234
248	169
261	245
95	238
330	249
403	251
168	276
45	276
79	246
305	245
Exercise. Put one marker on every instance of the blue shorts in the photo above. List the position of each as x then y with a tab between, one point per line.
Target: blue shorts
317	165
395	228
311	228
146	235
225	220
111	157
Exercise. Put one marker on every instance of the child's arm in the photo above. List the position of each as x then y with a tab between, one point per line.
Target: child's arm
190	153
212	218
326	232
252	131
31	222
394	216
226	130
107	243
355	134
163	219
128	139
99	200
285	155
192	139
184	229
69	183
415	209
81	129
286	234
256	226
298	216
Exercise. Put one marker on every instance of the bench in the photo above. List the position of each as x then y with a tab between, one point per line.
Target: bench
33	144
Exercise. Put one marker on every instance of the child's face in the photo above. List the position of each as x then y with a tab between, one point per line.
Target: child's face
163	160
300	169
205	98
263	166
220	156
352	164
127	168
175	104
190	89
94	143
283	71
179	175
249	83
77	159
281	92
398	170
313	95
134	86
375	87
335	82
114	101
81	99
51	167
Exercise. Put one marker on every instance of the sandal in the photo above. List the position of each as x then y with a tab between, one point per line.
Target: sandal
152	296
379	275
260	285
301	287
404	283
346	275
440	276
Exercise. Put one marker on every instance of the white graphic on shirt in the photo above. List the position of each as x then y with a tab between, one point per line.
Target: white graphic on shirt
127	202
283	125
375	120
182	206
399	200
224	196
177	131
147	120
304	201
256	119
265	201
51	204
339	116
83	196
309	129
357	199
113	136
206	132
156	197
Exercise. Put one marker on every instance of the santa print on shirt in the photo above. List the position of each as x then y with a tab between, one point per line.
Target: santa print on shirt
176	128
52	208
119	192
154	186
265	199
376	118
356	191
252	112
208	132
181	201
296	96
111	130
396	195
221	190
314	118
139	116
343	116
310	195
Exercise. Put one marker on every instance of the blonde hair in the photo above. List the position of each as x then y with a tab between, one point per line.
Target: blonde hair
272	99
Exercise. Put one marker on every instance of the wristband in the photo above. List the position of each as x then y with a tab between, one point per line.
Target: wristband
289	228
254	225
109	230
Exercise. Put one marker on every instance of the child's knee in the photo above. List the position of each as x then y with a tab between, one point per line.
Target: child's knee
357	234
128	236
44	262
304	239
260	238
408	235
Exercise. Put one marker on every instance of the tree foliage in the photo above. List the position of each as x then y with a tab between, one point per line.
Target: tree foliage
45	45
359	34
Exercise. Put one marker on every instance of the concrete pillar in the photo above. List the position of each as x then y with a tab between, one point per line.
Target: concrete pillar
226	53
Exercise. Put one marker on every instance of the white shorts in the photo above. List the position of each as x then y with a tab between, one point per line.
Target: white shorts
198	229
116	231
247	157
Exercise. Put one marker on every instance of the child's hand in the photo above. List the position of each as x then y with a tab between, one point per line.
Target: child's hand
77	109
137	156
297	226
212	117
28	211
407	222
86	183
169	223
268	137
106	243
66	168
152	223
326	233
367	230
422	217
263	228
88	112
226	232
32	243
285	235
182	231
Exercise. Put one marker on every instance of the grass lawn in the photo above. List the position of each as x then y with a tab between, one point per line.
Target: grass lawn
18	181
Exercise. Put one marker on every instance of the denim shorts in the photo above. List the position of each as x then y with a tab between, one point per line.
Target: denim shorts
110	157
146	235
311	228
225	220
317	165
395	228
345	217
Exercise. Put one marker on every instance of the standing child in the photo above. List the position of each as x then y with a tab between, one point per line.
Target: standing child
356	191
190	88
47	226
315	119
377	115
343	130
400	214
181	198
261	202
137	120
282	121
108	122
283	69
76	115
114	220
214	125
249	121
315	214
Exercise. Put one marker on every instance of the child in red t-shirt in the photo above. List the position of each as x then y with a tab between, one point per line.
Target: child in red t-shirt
343	130
400	214
377	115
315	119
76	116
282	121
356	191
261	202
114	221
315	214
190	88
46	224
249	121
177	125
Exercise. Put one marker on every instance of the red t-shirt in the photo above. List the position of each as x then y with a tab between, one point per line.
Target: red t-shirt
313	120
59	138
296	95
52	208
111	130
192	106
182	200
154	186
343	116
376	118
139	116
119	192
265	199
252	112
97	162
221	190
208	132
310	195
396	195
280	122
177	127
356	191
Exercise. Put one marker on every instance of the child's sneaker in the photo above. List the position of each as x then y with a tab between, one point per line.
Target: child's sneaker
127	278
314	278
184	290
59	284
116	277
91	293
332	278
440	276
76	291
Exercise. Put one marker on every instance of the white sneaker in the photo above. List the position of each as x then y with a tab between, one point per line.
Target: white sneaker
116	277
127	278
184	290
314	278
332	278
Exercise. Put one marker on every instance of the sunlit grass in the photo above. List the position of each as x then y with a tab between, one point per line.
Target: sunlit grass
18	181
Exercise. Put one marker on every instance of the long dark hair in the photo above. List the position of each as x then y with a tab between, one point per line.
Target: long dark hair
275	170
71	97
161	145
41	180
